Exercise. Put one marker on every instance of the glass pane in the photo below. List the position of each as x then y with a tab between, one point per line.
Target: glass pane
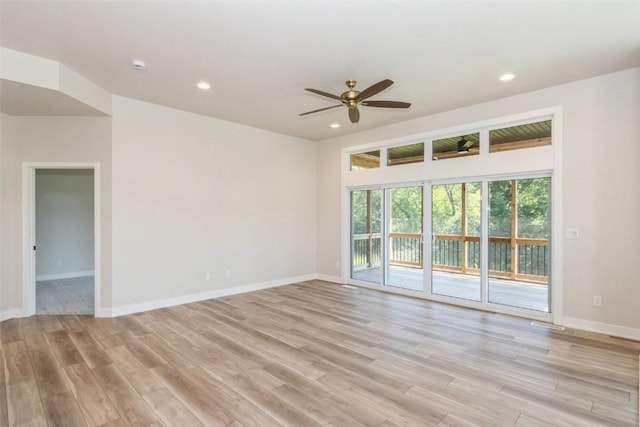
533	229
519	253
369	160
456	217
413	153
365	235
405	269
456	146
523	136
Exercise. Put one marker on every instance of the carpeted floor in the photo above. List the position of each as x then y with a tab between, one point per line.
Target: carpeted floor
66	296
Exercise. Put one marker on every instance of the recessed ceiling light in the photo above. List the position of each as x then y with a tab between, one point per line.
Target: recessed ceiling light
507	76
138	64
204	85
335	125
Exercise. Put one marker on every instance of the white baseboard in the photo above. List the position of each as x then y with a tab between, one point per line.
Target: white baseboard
185	299
10	314
602	328
332	279
61	276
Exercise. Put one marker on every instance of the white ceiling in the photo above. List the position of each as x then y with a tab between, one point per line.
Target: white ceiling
260	55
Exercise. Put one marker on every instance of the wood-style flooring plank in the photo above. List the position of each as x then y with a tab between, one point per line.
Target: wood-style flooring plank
242	410
64	349
132	408
24	405
92	354
193	396
62	410
136	374
92	399
270	403
4	412
49	323
171	411
10	331
49	376
17	362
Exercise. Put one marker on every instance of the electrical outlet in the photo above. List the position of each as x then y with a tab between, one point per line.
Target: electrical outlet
597	301
58	262
337	264
227	274
207	276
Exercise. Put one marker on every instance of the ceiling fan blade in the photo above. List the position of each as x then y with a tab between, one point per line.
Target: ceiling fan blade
354	114
328	95
321	109
386	104
376	88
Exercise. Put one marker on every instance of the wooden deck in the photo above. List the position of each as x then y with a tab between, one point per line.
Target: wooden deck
505	292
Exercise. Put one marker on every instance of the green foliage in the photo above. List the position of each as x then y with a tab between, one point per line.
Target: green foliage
533	208
446	208
500	208
446	205
359	211
406	210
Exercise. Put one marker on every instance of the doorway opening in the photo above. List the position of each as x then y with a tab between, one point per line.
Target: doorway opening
61	235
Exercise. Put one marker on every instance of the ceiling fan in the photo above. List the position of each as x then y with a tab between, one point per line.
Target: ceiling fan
354	98
464	146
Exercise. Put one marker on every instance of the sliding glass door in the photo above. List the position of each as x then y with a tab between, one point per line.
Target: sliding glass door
404	264
456	240
490	240
519	235
366	229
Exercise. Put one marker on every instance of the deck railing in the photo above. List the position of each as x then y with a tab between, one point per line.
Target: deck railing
459	254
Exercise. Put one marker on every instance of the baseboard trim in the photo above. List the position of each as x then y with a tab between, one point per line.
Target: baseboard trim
10	314
327	278
61	276
602	328
186	299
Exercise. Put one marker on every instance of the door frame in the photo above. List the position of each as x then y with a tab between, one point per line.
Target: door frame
29	230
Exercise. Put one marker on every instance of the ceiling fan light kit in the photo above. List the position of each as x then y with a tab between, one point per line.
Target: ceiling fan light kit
353	98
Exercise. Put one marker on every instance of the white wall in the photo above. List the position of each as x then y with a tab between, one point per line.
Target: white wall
64	223
601	198
48	139
195	195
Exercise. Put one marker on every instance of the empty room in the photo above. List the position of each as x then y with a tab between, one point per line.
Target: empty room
319	213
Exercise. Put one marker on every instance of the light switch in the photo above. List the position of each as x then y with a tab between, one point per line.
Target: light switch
573	233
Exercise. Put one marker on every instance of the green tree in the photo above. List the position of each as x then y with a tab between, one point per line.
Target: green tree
359	211
406	210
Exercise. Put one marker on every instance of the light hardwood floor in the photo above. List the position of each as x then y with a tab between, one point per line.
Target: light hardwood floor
312	354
